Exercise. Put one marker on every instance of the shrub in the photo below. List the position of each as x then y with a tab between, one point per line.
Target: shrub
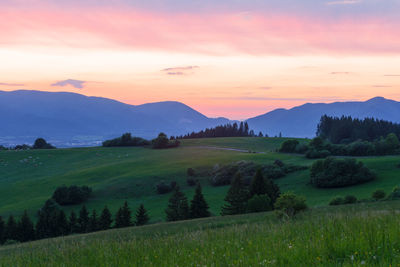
395	194
378	194
163	188
190	172
350	199
71	195
259	203
191	181
301	148
317	154
336	201
40	143
289	146
126	140
333	172
290	204
279	163
162	142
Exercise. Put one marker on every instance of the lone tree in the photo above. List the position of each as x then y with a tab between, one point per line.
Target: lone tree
178	208
142	217
198	205
237	197
105	219
257	186
40	143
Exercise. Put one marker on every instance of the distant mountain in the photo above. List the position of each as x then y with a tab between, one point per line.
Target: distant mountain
69	119
302	121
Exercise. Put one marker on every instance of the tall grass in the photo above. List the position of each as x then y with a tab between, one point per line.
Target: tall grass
326	237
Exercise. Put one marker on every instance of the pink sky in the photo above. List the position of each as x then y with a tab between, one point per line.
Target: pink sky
236	63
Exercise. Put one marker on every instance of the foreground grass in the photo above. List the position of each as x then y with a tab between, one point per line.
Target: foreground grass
354	235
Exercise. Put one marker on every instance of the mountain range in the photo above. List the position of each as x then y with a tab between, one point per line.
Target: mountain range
70	119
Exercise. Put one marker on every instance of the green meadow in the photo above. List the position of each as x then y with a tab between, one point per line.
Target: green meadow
28	178
350	235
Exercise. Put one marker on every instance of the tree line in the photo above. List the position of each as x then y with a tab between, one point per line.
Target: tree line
40	143
347	129
227	130
53	222
127	140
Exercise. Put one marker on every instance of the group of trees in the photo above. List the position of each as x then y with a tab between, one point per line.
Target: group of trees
228	130
162	142
332	172
346	129
322	148
126	140
260	195
71	195
179	209
377	195
53	222
39	143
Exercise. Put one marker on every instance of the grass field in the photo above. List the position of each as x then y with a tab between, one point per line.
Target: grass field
28	178
350	235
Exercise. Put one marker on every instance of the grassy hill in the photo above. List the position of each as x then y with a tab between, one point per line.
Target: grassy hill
350	235
28	178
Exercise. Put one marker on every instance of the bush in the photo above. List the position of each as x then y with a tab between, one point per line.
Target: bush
301	148
331	172
395	194
190	172
163	188
126	140
378	194
72	195
317	154
336	201
350	199
289	146
290	204
191	181
40	143
259	203
162	142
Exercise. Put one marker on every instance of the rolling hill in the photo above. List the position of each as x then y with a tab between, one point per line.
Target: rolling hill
302	121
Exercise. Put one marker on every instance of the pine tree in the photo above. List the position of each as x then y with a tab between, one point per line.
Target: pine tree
273	190
105	219
46	225
73	223
178	208
237	197
119	219
2	230
62	224
26	231
93	222
83	220
257	186
198	205
141	216
126	215
11	229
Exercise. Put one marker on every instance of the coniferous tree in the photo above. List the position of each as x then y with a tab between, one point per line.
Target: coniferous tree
105	219
62	224
119	219
126	215
93	222
26	231
273	190
257	185
73	223
46	225
237	197
2	230
11	229
83	220
142	217
178	208
198	205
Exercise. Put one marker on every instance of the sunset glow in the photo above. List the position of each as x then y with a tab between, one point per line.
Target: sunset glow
236	62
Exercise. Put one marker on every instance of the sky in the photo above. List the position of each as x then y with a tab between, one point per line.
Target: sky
231	58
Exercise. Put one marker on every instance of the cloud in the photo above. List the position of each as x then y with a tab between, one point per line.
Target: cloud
265	88
12	84
392	75
74	83
344	2
179	71
340	73
381	86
